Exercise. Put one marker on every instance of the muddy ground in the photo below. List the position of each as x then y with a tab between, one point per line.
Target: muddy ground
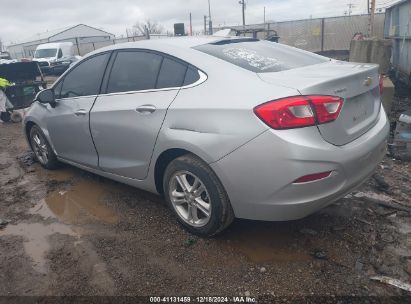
74	233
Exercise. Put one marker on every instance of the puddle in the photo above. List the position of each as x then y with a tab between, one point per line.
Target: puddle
77	203
36	242
265	242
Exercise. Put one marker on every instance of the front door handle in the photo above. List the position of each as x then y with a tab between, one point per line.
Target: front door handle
80	112
146	109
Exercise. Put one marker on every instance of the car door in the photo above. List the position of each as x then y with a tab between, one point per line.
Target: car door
126	120
68	122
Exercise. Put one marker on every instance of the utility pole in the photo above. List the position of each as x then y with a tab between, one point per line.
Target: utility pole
350	7
205	25
191	26
264	14
368	6
242	2
371	19
210	23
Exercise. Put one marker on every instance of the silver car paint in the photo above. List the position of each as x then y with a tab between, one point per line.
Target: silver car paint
125	131
343	79
267	174
215	121
71	117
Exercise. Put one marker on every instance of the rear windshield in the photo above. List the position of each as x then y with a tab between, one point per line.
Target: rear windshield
260	56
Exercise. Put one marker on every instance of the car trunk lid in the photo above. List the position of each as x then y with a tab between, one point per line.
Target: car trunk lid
357	83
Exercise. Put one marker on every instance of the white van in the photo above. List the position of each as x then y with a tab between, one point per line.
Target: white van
53	57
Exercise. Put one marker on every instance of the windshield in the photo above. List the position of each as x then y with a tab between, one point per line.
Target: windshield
45	53
260	56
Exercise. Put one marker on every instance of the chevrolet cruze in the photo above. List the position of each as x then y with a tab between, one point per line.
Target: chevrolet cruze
222	127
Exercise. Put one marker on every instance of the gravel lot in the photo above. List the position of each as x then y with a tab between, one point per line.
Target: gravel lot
74	233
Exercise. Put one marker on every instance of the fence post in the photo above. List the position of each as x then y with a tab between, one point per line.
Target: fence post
78	47
322	34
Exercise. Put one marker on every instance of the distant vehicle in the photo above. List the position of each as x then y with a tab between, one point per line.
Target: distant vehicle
5	56
222	127
55	58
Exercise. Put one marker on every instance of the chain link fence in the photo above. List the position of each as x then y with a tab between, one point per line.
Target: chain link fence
328	36
323	35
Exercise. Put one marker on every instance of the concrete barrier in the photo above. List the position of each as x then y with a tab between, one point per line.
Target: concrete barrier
388	95
372	51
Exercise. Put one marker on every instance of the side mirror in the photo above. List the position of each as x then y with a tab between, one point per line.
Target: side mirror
46	96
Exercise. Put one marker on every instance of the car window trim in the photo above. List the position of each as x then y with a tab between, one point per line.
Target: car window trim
79	63
203	78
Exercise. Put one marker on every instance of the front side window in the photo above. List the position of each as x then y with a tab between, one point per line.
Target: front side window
57	90
134	71
85	79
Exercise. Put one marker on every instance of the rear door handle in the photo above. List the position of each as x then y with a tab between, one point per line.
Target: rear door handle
146	109
80	112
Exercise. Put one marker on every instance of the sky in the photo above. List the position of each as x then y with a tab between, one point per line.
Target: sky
20	19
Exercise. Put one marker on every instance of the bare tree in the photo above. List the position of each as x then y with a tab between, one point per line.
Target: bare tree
146	28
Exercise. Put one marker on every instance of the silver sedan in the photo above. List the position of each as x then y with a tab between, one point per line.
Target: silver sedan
221	127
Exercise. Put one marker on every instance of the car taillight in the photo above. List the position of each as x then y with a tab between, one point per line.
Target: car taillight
381	84
299	111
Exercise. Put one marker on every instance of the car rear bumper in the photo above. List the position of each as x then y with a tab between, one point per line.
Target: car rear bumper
259	176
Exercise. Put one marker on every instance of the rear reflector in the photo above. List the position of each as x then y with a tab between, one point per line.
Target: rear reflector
299	111
312	177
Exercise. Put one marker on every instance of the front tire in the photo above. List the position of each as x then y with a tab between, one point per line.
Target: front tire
42	149
5	116
196	196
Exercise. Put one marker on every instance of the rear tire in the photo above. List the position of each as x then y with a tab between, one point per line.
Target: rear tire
196	196
42	149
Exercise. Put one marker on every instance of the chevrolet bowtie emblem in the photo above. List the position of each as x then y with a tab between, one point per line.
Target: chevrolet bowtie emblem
368	81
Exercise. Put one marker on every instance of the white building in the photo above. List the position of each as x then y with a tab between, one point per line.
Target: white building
81	35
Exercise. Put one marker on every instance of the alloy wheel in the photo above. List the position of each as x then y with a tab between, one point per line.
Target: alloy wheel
190	198
40	148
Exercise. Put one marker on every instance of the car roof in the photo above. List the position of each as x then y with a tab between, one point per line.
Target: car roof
179	47
176	43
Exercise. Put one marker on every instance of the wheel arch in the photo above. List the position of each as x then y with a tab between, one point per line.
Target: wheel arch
163	160
27	128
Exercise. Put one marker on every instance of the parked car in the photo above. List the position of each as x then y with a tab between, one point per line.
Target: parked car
55	58
5	55
221	127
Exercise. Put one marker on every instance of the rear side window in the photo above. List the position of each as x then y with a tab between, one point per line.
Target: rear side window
85	78
134	71
172	74
260	56
192	76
